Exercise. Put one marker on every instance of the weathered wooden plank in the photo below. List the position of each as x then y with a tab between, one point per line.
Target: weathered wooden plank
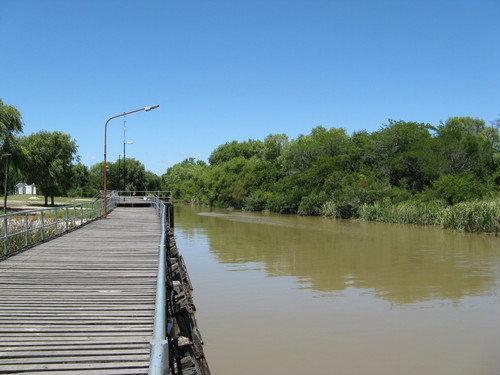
41	341
6	356
75	358
52	349
114	371
90	367
106	328
79	314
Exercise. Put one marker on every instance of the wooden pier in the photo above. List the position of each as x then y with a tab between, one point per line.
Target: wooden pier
88	302
82	303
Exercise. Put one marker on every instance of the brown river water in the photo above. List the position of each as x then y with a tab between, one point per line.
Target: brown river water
280	294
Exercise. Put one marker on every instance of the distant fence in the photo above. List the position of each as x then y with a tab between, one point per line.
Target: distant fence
162	194
24	229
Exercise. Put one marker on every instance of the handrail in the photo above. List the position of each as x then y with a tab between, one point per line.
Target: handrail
159	354
159	363
142	193
23	229
48	208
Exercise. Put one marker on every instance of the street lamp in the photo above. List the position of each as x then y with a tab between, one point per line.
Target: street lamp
125	142
124	166
104	170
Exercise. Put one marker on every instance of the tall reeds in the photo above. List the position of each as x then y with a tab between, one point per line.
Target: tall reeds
472	216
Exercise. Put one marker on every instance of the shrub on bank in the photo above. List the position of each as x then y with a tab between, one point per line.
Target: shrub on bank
284	203
456	188
256	200
311	204
473	216
476	216
340	209
409	212
374	212
329	208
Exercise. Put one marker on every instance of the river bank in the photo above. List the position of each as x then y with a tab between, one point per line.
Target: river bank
481	216
474	216
446	174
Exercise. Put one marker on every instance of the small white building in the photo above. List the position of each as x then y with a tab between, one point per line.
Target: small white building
24	188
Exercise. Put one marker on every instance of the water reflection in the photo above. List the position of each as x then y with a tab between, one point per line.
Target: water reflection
402	264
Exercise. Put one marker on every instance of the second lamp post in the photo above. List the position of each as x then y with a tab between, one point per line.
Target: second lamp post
104	166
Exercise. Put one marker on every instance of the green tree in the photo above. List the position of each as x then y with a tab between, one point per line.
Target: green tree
153	181
135	173
136	179
301	153
95	176
81	185
185	180
455	188
234	149
47	161
406	154
10	126
273	146
466	144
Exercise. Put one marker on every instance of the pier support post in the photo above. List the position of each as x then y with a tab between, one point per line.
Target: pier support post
171	221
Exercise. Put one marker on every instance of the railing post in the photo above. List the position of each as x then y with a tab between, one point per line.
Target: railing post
5	235
43	225
81	214
26	229
66	218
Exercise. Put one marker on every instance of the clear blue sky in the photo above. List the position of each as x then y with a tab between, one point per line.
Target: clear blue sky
224	70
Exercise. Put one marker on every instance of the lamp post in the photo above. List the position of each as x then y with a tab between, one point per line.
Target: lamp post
124	167
104	166
125	142
5	181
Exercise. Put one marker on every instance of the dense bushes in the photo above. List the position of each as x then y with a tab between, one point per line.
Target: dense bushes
459	188
476	216
409	212
406	172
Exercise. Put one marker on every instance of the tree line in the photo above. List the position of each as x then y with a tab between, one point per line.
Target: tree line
50	161
419	168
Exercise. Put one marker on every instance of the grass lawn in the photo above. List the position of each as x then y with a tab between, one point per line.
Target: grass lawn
38	200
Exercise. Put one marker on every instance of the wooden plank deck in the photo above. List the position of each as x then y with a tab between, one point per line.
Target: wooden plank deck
82	303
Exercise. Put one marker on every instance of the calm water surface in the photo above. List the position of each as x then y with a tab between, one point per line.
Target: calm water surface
307	295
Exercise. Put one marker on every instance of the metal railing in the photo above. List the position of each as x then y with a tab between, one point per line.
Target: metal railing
159	354
162	194
159	362
27	228
23	229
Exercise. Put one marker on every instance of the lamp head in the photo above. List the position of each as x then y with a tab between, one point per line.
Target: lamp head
151	107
